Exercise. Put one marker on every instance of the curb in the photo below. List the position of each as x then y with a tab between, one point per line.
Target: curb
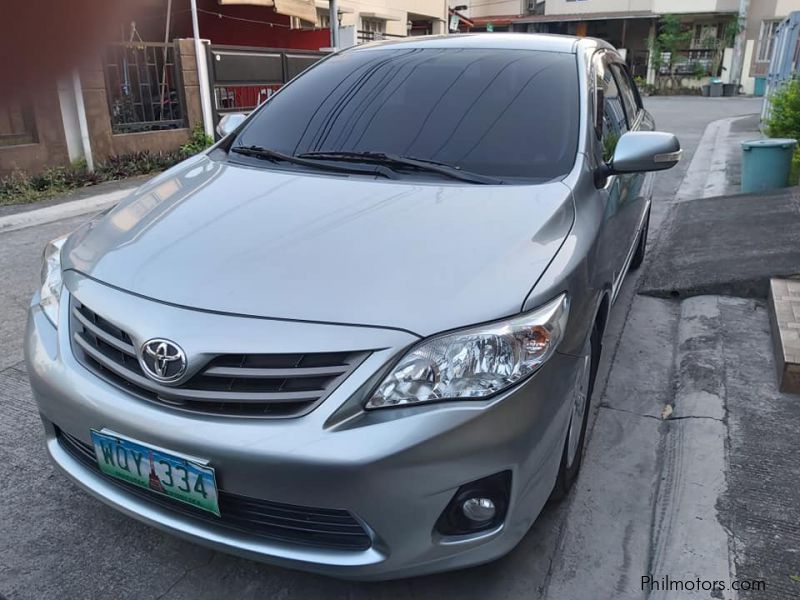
705	176
75	208
688	537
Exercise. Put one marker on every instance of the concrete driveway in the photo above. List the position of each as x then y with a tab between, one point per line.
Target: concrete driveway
57	542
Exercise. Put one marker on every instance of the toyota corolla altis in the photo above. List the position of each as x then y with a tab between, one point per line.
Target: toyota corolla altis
359	335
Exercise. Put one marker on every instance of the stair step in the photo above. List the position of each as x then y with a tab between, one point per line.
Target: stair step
784	313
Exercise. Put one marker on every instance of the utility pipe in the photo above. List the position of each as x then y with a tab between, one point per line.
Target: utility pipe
737	63
202	75
334	19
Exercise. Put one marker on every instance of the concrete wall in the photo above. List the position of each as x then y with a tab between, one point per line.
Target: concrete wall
784	7
760	11
395	13
187	65
50	149
53	116
105	143
566	7
748	81
696	6
432	8
490	8
69	118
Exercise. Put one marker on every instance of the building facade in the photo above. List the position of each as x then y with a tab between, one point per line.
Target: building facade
763	18
632	25
368	20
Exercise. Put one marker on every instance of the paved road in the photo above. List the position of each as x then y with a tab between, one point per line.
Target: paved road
56	542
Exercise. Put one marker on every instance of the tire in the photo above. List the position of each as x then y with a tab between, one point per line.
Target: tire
572	455
641	247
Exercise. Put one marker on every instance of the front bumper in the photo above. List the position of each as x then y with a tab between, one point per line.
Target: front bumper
395	470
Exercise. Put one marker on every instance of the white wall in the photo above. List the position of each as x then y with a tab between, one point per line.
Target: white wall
433	8
394	12
563	7
347	36
69	117
727	61
695	6
490	8
784	7
748	81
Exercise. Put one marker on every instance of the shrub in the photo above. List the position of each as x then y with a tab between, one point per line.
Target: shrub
784	117
794	173
137	163
18	188
784	120
198	142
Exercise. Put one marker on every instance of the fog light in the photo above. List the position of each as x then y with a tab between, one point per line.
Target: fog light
476	506
479	510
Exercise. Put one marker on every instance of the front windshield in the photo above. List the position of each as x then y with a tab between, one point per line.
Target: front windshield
511	114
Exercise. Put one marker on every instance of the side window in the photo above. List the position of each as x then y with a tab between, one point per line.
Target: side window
627	92
611	122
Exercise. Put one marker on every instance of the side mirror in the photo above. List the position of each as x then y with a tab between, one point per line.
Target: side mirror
229	122
639	151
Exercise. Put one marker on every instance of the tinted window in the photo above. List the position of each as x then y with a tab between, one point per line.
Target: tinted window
505	113
626	91
613	113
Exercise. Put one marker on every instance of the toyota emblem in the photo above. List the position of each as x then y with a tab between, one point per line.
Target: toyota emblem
163	360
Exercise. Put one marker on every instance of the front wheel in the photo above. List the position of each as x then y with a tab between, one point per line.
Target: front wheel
572	455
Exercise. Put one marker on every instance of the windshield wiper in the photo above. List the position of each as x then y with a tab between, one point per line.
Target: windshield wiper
275	156
397	160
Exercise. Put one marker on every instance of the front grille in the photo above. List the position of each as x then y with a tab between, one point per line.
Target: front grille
319	527
248	385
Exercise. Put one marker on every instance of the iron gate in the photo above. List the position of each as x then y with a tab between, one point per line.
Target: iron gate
242	77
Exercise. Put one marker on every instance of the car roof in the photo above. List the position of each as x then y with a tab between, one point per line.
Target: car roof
509	41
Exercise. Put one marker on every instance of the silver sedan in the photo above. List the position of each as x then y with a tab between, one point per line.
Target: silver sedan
359	335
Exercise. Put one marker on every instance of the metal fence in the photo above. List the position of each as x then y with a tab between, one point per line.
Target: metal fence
142	87
785	60
243	77
373	36
697	63
242	98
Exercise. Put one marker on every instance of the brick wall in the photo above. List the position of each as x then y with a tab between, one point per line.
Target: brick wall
187	65
105	143
51	147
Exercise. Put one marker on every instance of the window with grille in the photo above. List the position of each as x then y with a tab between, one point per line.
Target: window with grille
373	25
705	35
766	40
142	89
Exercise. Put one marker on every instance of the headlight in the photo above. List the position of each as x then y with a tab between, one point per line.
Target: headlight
51	279
476	362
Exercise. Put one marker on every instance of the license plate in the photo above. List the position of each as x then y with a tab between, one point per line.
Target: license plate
161	472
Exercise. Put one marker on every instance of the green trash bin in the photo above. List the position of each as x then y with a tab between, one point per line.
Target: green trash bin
766	164
760	86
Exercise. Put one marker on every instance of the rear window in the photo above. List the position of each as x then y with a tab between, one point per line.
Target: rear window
502	113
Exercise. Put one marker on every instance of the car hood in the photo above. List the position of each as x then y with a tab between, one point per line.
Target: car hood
423	257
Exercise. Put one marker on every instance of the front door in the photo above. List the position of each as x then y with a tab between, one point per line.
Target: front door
625	202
